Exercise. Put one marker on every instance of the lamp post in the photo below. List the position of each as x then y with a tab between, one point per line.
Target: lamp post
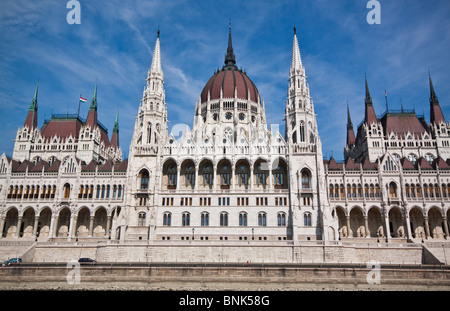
253	233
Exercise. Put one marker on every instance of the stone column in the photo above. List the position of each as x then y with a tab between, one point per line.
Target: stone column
178	177
196	178
215	177
233	173
72	227
348	226
53	226
19	223
427	227
2	226
388	228
366	225
251	177
91	225
408	225
36	223
444	219
108	226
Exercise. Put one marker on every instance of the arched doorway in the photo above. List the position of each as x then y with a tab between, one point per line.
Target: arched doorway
260	174
375	223
10	226
170	175
357	223
417	223
83	221
342	221
100	220
43	228
62	228
187	175
242	175
436	223
224	174
27	226
396	223
206	175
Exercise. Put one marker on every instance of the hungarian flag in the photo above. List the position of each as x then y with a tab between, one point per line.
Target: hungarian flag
83	99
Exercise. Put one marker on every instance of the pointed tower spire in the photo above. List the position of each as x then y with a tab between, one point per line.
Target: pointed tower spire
370	116
436	115
155	69
31	119
115	133
296	59
230	58
91	119
350	133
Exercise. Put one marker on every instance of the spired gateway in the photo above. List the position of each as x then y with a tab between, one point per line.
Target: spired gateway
229	178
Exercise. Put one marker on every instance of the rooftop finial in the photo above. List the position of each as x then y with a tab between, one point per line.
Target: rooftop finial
230	59
158	32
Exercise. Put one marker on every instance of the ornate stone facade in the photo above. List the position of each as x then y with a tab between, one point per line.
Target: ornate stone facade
230	177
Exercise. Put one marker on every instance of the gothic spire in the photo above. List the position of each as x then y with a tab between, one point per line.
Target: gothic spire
296	59
115	133
156	70
370	116
31	119
350	133
230	58
436	115
91	119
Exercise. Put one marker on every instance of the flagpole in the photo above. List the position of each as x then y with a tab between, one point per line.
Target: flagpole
79	100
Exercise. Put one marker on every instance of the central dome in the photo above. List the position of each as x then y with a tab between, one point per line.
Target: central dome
231	82
228	81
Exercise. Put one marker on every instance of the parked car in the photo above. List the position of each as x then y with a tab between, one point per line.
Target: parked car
12	261
87	261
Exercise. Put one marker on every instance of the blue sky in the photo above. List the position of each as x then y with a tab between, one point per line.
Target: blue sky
115	40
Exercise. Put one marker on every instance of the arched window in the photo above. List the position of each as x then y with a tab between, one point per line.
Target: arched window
66	191
407	190
260	175
302	131
167	219
141	219
306	179
119	193
243	219
243	173
307	219
278	177
207	175
186	219
205	219
262	219
225	174
223	219
392	189
189	174
144	178
281	219
331	191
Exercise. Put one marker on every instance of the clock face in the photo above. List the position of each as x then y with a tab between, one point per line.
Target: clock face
241	116
228	116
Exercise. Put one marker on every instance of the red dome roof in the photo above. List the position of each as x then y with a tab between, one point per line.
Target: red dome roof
228	79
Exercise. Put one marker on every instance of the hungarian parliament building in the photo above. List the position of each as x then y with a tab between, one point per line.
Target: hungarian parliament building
230	177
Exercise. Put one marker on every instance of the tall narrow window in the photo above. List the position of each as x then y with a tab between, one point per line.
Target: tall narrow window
243	219
190	176
141	219
205	219
186	219
262	219
144	178
281	219
307	219
66	191
223	219
306	179
167	219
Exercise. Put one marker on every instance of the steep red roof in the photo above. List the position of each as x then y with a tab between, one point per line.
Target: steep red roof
367	165
423	164
441	164
63	127
333	165
351	165
402	123
406	164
